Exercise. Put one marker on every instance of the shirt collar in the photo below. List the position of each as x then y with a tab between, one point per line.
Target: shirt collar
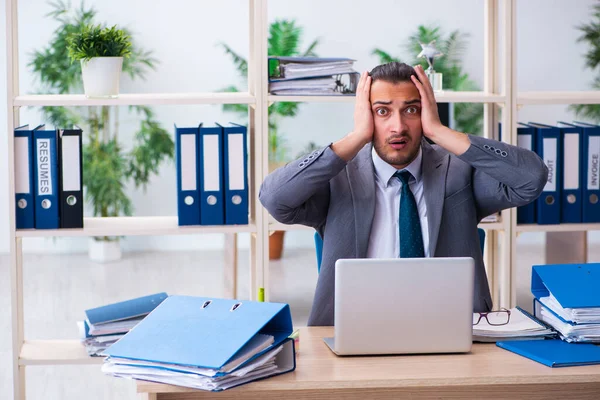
385	171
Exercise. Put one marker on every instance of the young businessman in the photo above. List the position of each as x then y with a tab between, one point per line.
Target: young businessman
383	191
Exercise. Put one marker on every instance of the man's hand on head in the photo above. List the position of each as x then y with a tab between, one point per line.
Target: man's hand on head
430	120
363	116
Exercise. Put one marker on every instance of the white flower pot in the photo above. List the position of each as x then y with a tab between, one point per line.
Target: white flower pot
101	76
104	251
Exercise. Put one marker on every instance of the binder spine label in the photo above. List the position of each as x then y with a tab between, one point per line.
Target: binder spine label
550	161
22	165
571	164
44	167
593	158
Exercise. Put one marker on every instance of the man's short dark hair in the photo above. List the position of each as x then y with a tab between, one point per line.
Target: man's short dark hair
393	72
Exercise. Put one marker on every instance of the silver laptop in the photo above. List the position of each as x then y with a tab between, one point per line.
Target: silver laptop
403	306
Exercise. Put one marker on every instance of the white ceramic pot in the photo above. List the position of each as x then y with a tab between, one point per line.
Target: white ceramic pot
101	76
104	251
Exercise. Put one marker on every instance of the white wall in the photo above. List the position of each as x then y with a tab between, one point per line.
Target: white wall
184	35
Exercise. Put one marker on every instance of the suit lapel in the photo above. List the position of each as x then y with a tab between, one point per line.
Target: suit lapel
361	177
435	167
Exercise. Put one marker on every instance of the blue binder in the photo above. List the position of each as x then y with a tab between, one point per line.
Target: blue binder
555	352
24	187
125	309
590	171
526	139
47	205
549	149
573	285
235	162
571	138
202	332
212	208
188	180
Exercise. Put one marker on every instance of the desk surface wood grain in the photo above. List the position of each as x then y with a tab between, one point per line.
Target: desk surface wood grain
486	372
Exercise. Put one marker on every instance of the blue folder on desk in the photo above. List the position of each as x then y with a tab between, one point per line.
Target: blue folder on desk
555	352
137	307
573	285
203	332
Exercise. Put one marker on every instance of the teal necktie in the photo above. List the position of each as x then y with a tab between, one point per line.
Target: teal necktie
411	238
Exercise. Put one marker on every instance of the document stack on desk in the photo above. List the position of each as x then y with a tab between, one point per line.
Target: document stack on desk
204	343
567	297
107	324
521	326
312	76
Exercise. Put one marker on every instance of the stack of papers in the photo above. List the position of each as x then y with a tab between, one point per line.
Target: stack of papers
574	325
208	344
312	76
105	325
521	326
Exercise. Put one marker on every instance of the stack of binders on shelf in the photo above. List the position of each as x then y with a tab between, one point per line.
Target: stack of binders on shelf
48	178
312	76
105	325
205	343
567	298
212	175
571	151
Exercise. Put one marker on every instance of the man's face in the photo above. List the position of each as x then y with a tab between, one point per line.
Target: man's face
397	121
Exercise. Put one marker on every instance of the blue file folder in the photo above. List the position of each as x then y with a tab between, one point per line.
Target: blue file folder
235	162
125	309
526	139
212	207
573	285
202	332
549	149
590	171
24	186
47	204
188	181
555	352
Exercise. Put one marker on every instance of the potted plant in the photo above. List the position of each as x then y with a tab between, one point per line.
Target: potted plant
284	40
100	50
108	166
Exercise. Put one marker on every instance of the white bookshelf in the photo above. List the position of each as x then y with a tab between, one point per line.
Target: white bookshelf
500	239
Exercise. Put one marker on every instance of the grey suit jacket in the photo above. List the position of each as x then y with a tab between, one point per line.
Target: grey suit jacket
338	199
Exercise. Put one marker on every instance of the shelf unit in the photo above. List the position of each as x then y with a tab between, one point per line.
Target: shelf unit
501	236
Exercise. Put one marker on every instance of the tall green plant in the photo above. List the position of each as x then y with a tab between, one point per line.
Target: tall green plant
107	166
467	116
590	34
285	38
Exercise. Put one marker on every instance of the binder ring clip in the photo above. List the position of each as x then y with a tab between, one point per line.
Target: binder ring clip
71	200
549	200
235	306
22	203
189	200
571	199
46	204
206	303
236	199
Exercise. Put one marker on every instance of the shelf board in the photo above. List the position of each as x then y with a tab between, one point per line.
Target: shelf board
583	97
558	228
276	226
55	352
128	99
134	226
442	97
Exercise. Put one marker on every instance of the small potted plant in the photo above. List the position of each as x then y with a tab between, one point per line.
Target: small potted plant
100	50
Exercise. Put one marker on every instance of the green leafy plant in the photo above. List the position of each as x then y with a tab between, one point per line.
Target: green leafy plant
590	34
285	37
97	41
467	116
107	165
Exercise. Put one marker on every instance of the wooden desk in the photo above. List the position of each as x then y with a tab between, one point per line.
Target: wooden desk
488	372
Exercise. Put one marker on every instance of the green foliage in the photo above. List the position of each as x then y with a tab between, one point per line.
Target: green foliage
285	38
467	116
98	41
107	166
590	34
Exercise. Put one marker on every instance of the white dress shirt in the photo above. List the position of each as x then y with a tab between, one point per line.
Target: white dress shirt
384	241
